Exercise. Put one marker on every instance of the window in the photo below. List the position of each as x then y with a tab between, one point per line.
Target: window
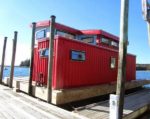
44	52
91	39
113	43
64	34
113	63
88	40
41	34
78	55
105	41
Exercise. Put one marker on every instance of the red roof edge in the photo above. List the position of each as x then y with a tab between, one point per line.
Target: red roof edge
58	26
75	31
100	32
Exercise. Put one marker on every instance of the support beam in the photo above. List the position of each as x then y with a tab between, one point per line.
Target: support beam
50	61
121	77
3	60
13	59
32	57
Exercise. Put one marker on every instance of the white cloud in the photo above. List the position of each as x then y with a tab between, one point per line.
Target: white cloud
22	52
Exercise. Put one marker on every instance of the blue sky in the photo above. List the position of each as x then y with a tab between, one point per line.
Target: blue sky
80	14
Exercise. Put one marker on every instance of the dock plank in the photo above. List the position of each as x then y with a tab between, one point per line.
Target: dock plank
21	106
135	104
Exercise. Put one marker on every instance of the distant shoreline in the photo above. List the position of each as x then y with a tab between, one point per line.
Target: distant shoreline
16	66
145	67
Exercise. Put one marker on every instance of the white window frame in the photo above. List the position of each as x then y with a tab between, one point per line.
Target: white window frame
112	62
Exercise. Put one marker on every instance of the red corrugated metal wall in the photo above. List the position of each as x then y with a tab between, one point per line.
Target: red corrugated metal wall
94	70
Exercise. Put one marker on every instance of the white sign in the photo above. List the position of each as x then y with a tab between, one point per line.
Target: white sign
113	106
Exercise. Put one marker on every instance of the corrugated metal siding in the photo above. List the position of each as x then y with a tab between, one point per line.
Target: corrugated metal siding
94	70
131	67
34	71
42	66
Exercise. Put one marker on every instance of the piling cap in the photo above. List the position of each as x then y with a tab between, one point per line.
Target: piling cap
15	32
33	22
53	16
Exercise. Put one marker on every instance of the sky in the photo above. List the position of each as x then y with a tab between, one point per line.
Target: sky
17	15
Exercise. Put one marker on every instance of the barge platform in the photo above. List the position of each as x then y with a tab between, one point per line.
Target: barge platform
63	96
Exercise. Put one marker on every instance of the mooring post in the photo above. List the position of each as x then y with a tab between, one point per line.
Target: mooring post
121	77
3	60
13	59
50	60
32	57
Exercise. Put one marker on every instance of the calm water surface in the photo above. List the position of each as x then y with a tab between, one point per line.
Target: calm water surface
18	71
24	71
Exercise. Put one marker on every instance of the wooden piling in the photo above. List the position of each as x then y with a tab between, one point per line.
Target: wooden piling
50	61
13	59
32	57
121	77
3	60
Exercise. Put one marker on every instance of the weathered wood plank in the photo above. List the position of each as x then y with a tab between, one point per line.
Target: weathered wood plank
16	106
135	105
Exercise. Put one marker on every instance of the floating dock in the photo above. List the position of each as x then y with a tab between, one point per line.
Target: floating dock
135	105
18	105
75	94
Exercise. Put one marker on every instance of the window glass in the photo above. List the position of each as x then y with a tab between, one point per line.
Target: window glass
41	34
113	43
105	41
88	40
113	63
44	52
91	39
64	34
78	55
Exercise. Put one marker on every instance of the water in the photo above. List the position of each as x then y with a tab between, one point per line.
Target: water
24	71
143	75
18	72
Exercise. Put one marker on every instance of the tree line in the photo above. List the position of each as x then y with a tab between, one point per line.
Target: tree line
25	63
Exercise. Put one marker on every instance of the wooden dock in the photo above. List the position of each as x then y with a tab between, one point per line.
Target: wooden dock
63	96
21	106
135	105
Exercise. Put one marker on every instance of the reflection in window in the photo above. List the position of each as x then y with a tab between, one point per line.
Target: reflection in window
78	55
88	40
113	43
41	34
105	41
91	39
113	63
44	52
64	34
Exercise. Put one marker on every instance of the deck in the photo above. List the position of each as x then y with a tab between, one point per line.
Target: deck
135	105
21	106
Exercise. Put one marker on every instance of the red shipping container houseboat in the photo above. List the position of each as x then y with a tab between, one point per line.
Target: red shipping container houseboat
81	57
